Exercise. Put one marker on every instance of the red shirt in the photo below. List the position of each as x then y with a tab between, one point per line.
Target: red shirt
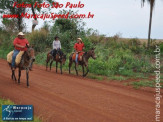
79	47
21	42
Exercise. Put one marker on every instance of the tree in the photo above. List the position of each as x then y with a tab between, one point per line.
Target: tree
68	30
6	6
152	4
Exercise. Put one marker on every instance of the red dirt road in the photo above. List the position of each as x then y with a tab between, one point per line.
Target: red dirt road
67	98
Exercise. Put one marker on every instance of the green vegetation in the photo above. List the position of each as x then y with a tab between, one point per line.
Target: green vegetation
8	102
161	77
115	56
142	83
95	77
118	78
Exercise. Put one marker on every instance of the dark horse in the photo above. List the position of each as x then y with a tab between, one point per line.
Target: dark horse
83	62
60	58
26	63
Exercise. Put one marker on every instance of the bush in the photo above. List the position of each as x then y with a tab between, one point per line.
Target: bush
118	60
41	58
161	48
38	40
98	67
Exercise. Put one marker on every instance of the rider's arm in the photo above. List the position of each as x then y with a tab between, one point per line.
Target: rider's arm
59	45
17	45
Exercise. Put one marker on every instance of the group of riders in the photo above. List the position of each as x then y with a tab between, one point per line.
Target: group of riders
20	44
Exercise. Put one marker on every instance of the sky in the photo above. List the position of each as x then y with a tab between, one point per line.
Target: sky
119	16
126	17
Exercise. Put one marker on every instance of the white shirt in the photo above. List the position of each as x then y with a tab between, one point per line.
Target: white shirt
56	44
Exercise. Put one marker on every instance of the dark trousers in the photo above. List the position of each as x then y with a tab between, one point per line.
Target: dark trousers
54	52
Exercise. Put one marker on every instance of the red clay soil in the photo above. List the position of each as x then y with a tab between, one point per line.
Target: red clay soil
68	98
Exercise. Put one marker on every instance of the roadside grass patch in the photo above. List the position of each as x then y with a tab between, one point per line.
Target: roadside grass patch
95	77
126	84
8	102
129	73
118	78
139	75
142	83
161	77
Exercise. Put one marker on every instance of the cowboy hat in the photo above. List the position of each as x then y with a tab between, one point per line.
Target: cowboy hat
21	34
79	39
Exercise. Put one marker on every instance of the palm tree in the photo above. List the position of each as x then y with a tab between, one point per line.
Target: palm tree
152	4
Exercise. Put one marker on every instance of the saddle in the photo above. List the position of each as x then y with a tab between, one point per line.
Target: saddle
80	55
18	57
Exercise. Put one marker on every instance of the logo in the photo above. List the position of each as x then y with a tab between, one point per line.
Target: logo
17	112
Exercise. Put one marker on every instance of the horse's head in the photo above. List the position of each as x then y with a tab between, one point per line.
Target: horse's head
92	53
31	53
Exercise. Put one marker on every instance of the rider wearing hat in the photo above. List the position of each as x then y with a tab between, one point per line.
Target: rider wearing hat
79	46
56	47
19	45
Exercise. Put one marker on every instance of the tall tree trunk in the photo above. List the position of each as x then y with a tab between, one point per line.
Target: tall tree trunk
150	24
20	20
33	11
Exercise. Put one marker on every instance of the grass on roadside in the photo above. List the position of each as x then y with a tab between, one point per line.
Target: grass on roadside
8	102
143	83
118	78
161	77
140	76
95	77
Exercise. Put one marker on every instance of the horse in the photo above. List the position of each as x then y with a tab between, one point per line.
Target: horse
26	64
60	58
83	62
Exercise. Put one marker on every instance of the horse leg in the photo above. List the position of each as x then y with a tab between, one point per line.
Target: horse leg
51	65
27	76
83	69
86	72
61	67
19	76
47	61
56	66
70	64
47	65
14	77
76	69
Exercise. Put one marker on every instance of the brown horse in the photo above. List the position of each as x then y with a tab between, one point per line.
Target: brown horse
26	63
59	59
83	62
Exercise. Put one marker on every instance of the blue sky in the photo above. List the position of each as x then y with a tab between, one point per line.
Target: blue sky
119	16
126	17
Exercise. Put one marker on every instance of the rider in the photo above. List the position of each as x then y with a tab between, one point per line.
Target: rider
79	46
56	47
20	45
